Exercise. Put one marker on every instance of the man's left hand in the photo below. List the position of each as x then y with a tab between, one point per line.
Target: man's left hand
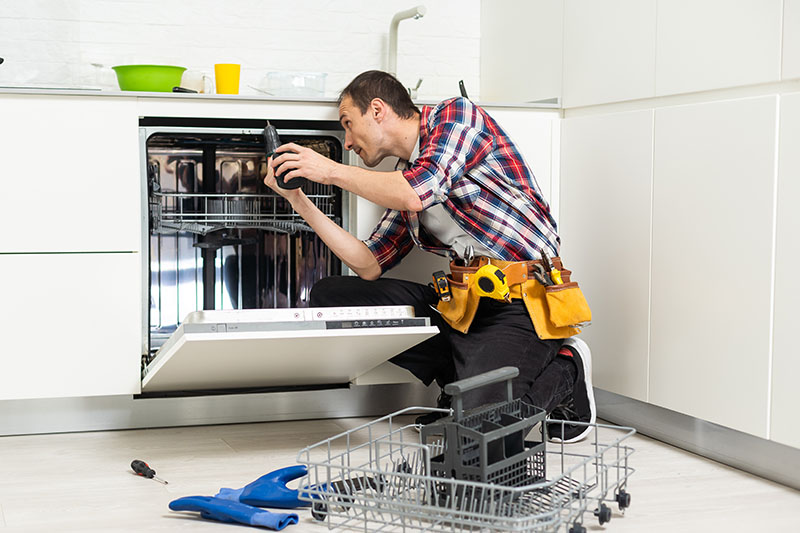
303	162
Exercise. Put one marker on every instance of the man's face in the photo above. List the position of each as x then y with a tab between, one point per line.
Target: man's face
362	133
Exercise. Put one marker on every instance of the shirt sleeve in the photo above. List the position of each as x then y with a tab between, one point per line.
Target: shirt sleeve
390	240
454	146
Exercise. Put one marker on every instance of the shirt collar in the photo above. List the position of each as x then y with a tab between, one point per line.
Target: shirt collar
424	115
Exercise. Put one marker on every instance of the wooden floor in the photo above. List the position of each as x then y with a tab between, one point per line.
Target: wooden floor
82	482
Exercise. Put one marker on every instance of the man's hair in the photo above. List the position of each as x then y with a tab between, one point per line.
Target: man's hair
378	84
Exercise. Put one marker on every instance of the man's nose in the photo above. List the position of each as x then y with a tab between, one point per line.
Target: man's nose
348	142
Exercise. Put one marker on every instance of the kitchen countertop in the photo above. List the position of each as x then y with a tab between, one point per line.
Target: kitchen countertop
66	91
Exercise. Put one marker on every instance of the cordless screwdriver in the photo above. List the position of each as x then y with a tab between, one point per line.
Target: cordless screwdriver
272	142
143	469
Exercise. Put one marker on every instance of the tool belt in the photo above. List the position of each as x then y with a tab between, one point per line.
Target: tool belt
557	311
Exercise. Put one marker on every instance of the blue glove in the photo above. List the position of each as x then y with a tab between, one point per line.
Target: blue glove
270	490
233	512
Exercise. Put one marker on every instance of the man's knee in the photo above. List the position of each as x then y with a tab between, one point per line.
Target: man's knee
326	292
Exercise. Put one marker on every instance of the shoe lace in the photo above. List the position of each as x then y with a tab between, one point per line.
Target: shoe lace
565	411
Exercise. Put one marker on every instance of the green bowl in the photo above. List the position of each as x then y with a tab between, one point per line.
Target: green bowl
154	78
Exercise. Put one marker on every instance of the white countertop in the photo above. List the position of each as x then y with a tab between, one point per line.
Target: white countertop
219	98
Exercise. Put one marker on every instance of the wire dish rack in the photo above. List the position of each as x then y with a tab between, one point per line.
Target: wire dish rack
172	212
472	471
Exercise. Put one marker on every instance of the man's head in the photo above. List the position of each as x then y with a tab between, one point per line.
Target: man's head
371	108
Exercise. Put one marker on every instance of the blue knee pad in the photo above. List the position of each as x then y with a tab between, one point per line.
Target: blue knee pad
233	512
270	490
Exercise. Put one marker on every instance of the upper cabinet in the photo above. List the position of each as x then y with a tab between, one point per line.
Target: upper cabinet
621	50
712	44
521	50
791	39
603	41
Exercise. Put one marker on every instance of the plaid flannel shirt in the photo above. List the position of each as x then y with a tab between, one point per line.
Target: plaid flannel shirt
468	163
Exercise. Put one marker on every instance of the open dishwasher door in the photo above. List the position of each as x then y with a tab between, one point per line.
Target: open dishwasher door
248	348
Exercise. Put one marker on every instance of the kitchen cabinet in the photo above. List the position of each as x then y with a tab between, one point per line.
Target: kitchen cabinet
711	44
785	364
71	174
791	39
532	29
609	51
71	325
713	186
606	163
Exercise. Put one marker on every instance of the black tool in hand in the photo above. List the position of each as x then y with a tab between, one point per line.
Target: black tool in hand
143	469
272	142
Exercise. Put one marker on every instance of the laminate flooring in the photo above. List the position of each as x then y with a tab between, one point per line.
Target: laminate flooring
81	482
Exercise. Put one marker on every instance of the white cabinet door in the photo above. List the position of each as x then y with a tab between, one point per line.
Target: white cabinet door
521	50
785	360
711	44
713	190
71	325
606	167
609	51
791	39
70	174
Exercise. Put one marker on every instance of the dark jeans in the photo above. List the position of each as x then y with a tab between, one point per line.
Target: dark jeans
500	335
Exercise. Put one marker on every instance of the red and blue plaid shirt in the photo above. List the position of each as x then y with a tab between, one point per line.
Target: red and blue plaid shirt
468	163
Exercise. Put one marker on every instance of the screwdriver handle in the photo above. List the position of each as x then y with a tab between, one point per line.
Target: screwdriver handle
143	469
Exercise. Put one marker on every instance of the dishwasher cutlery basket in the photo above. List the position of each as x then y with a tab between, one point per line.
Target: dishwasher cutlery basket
470	471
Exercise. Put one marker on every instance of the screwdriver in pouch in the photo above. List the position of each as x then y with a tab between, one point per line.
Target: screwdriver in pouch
143	469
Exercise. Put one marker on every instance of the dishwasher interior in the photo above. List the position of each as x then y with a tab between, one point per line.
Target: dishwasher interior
219	239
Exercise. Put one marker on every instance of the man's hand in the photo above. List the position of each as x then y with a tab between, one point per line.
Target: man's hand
272	183
299	161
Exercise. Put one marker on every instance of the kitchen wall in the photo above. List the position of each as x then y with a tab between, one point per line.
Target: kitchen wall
55	42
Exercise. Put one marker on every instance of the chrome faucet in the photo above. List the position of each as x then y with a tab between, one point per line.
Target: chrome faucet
415	13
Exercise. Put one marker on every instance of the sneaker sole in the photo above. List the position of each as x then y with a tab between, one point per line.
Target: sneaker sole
582	348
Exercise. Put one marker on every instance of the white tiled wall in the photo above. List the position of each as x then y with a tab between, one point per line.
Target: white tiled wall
54	42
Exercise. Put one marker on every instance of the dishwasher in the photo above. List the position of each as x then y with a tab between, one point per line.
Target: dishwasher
229	268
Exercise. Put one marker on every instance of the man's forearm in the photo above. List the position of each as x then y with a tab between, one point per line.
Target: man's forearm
348	248
387	189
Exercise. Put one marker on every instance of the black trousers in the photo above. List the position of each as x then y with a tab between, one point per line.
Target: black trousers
500	335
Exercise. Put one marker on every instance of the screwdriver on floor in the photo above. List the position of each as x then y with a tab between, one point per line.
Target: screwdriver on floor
142	469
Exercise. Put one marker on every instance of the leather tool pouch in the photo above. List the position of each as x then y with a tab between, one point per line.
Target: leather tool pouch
556	311
460	310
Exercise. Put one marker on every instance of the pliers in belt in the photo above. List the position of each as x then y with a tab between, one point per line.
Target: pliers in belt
541	275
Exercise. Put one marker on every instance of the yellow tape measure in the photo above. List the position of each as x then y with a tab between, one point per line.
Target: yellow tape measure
491	281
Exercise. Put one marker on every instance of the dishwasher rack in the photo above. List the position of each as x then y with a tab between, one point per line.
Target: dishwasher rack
382	476
172	212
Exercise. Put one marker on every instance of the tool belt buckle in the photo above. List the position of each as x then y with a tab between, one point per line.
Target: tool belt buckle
441	286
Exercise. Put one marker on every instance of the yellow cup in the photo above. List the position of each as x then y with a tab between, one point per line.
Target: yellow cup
227	77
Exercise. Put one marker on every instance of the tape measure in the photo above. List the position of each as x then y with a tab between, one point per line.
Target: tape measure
491	281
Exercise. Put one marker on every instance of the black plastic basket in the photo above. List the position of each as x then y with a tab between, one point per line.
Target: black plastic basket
488	444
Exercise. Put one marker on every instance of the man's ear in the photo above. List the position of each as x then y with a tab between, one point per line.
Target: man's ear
378	109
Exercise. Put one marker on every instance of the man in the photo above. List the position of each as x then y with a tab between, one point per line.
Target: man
462	189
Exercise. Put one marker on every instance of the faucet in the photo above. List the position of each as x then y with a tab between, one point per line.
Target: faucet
415	13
